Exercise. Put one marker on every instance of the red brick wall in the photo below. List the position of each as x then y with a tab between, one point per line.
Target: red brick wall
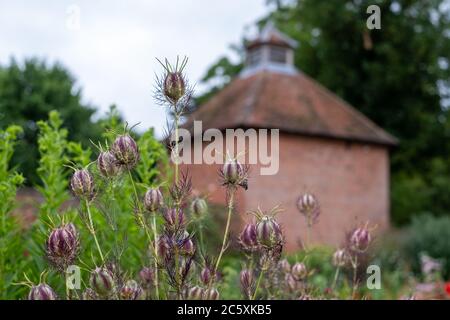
351	181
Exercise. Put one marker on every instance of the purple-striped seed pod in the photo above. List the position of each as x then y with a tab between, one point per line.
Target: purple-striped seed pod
308	205
147	276
248	237
290	282
195	293
206	275
360	239
107	164
246	280
82	184
131	290
187	247
89	294
174	86
153	200
42	291
174	218
285	266
299	271
126	151
62	246
211	294
102	281
340	258
268	232
199	207
233	172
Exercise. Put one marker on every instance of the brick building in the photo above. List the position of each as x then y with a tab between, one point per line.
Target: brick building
325	146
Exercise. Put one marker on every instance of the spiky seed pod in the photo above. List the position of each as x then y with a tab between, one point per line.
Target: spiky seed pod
82	184
102	281
62	246
147	276
290	282
285	266
248	237
195	293
308	205
199	208
234	174
340	258
246	280
299	271
126	151
153	200
360	239
174	219
89	294
211	294
268	232
107	164
42	291
174	86
206	276
131	290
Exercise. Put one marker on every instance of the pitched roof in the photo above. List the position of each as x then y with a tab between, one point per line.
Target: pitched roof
292	103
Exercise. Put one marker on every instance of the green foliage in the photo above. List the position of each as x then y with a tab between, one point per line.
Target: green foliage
11	239
429	235
28	92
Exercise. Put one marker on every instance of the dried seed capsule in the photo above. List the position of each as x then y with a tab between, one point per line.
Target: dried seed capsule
126	151
174	86
360	239
107	164
82	184
153	200
131	290
233	172
102	281
42	291
62	246
248	237
195	293
299	271
199	207
340	258
308	205
268	232
211	294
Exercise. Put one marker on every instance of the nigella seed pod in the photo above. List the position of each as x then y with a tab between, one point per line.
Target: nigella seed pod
299	271
102	281
340	258
174	218
107	164
308	205
89	294
248	237
174	86
290	282
62	246
285	266
153	200
42	291
126	151
131	290
206	276
232	172
187	247
211	294
195	293
360	239
268	232
147	276
199	207
246	280
82	184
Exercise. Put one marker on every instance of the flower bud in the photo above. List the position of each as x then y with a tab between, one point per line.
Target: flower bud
147	276
126	151
107	164
246	280
308	205
174	218
42	292
82	184
174	86
199	207
211	294
102	281
195	293
268	232
206	276
285	266
360	239
62	246
248	237
340	258
131	290
299	271
153	200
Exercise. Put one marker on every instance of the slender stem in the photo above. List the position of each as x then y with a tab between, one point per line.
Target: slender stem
176	147
225	236
336	276
92	230
258	283
355	271
155	234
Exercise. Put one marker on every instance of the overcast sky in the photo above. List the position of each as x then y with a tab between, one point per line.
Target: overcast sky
111	48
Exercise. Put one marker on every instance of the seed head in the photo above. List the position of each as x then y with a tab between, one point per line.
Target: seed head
147	276
107	164
199	207
360	239
174	86
187	247
290	282
62	246
89	294
126	151
308	205
102	281
206	275
131	290
248	237
211	294
340	258
42	291
234	174
246	280
195	293
268	232
285	266
299	271
153	200
82	184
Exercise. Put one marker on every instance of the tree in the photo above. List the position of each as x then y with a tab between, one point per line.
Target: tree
28	92
399	76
